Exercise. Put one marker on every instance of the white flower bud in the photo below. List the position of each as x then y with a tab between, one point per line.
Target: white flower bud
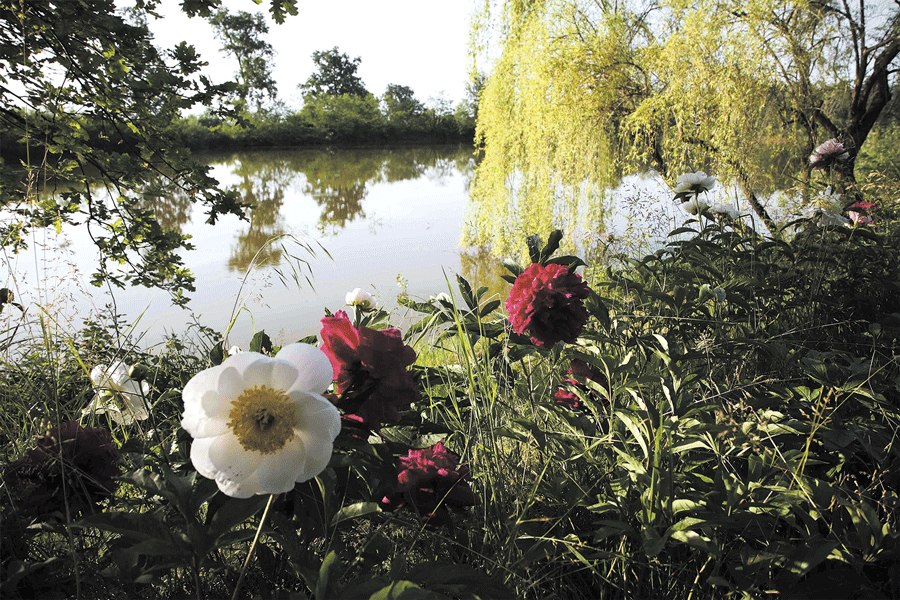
361	298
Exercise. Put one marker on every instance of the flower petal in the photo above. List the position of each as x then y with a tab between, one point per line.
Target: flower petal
314	369
259	373
200	425
240	489
99	376
243	360
279	472
317	415
217	401
283	375
200	457
118	374
197	386
320	424
231	461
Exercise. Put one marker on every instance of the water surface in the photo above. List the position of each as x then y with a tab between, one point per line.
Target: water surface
373	217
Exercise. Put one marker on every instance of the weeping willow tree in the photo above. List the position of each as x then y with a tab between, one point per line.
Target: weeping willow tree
583	90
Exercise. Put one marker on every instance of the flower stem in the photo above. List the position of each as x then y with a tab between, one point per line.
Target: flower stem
262	522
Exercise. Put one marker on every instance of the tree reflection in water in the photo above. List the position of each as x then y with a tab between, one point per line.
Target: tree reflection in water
172	208
338	180
262	187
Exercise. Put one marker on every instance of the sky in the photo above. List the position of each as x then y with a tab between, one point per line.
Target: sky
422	44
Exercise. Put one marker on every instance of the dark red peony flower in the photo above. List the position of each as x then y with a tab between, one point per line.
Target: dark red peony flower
582	370
429	482
547	302
86	457
371	378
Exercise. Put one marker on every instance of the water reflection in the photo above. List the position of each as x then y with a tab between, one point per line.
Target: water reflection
172	209
338	181
481	268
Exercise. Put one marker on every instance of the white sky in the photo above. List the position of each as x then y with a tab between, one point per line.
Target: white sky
422	44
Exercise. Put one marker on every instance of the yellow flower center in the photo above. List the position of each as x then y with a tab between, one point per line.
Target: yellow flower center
263	419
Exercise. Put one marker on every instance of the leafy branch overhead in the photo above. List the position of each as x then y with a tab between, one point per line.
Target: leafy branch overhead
89	100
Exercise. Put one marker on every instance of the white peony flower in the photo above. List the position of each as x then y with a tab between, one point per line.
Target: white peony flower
724	209
829	201
123	398
828	207
830	218
360	298
259	423
234	350
694	206
694	182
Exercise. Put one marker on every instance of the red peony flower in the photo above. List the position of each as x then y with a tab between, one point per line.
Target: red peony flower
429	482
86	457
582	370
371	378
547	302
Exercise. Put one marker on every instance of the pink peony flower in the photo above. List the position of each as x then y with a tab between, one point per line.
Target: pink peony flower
828	153
371	378
861	218
582	370
430	481
547	302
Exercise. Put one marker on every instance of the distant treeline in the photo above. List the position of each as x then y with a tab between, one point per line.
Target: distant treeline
343	119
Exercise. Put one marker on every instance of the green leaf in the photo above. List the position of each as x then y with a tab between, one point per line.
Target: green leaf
405	590
513	267
172	487
489	308
652	541
261	343
137	526
551	246
680	230
329	573
232	512
533	242
354	511
695	540
573	262
466	290
216	354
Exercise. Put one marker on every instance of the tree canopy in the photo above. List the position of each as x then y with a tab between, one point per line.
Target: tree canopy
243	36
400	103
583	89
335	75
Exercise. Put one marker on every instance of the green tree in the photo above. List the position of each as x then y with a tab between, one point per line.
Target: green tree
584	89
401	109
343	118
335	75
242	35
85	111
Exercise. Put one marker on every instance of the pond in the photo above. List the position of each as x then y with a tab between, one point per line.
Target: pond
374	217
322	222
